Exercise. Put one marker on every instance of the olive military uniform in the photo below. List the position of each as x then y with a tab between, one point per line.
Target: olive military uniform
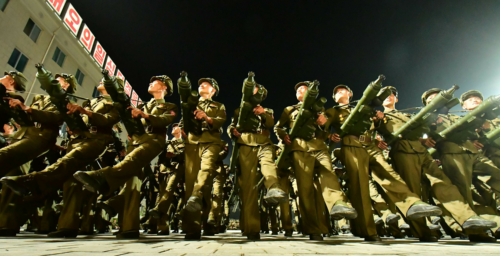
359	154
202	152
141	150
255	149
309	157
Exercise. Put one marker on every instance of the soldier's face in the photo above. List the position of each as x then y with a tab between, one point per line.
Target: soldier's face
206	90
342	95
430	98
156	86
472	102
390	101
8	82
63	82
301	91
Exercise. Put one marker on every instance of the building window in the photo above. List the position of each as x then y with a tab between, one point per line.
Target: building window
32	30
79	77
59	57
96	93
18	60
3	4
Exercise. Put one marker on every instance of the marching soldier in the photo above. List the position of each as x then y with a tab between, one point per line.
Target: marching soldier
256	149
308	157
462	158
360	155
412	161
156	116
100	116
202	151
171	174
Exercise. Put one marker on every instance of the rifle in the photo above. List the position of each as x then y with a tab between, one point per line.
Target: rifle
305	125
442	103
19	115
121	102
189	102
60	98
491	137
466	125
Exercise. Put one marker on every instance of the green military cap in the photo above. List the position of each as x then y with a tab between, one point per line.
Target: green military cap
70	79
306	83
468	94
167	81
20	80
429	93
212	82
342	86
392	88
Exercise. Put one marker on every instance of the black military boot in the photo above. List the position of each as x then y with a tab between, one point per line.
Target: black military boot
63	233
128	235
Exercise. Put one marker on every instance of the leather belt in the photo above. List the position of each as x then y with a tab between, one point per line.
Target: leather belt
159	131
361	138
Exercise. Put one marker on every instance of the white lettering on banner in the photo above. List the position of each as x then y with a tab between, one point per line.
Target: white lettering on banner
128	88
57	5
110	66
72	19
99	54
87	38
134	98
120	75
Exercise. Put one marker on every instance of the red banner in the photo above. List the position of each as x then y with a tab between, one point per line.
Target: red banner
120	75
87	38
128	88
57	5
99	54
73	20
110	66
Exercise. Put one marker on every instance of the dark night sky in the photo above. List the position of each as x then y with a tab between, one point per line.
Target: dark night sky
417	45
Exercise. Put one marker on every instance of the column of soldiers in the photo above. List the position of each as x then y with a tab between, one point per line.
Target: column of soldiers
348	167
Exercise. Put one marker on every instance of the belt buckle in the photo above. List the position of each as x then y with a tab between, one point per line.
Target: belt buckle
362	138
93	129
38	125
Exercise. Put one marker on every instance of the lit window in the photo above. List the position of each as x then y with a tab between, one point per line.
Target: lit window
59	57
18	60
79	77
32	30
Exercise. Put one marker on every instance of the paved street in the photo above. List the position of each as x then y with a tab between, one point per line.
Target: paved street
232	243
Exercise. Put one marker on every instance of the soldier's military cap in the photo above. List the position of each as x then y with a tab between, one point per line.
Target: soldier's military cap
20	80
392	88
167	81
342	86
468	94
429	93
70	79
306	83
211	81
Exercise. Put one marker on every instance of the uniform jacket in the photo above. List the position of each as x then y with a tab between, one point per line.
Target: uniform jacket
285	124
254	138
210	133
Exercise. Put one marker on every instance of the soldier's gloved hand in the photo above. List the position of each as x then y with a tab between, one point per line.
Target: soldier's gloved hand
429	142
259	110
478	145
321	120
15	103
335	137
236	133
382	145
287	140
